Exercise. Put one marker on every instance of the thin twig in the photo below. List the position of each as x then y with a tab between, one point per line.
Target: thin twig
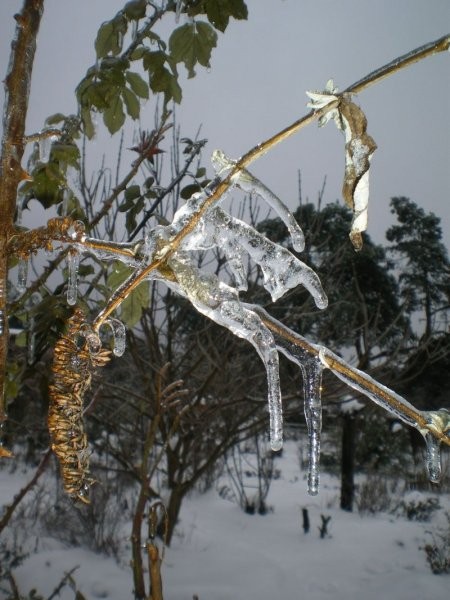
19	497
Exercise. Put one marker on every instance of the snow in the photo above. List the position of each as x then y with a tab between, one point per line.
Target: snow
221	553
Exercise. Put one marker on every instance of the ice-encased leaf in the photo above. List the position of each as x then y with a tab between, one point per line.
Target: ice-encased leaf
281	270
250	184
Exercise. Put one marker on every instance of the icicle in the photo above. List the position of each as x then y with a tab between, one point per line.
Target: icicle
31	346
45	146
119	334
22	267
178	10
312	388
433	458
439	422
22	275
33	301
221	304
2	322
65	202
73	262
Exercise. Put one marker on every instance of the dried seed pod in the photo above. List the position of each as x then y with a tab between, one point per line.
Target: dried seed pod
73	365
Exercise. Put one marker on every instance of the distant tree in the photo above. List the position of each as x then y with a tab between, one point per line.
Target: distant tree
364	311
423	262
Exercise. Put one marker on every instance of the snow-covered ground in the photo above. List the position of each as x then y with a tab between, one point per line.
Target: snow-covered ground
220	553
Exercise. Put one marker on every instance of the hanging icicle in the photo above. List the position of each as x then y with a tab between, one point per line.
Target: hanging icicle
433	458
73	262
119	335
178	8
312	391
45	146
22	275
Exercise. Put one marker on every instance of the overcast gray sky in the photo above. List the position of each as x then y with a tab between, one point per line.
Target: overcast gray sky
256	86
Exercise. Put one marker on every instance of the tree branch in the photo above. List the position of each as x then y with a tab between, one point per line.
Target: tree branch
160	263
17	89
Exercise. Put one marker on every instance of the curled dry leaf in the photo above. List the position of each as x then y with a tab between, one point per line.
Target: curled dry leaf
359	147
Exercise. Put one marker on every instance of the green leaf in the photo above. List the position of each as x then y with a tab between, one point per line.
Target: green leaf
66	153
137	84
110	36
118	275
113	116
201	172
138	53
132	192
88	125
20	340
131	103
192	43
132	213
187	191
131	307
135	9
98	94
220	11
85	270
55	119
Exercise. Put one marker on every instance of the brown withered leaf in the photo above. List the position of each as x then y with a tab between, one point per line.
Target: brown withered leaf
359	147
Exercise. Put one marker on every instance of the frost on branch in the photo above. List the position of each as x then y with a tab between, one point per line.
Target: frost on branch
359	147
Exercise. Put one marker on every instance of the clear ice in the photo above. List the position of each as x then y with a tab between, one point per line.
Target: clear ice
250	184
119	335
22	275
378	393
311	368
433	458
312	391
45	146
178	10
73	262
220	302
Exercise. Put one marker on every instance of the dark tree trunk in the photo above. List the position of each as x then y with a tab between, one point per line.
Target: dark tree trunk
348	462
173	510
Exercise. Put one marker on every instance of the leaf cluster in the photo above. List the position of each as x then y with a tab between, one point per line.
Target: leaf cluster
112	88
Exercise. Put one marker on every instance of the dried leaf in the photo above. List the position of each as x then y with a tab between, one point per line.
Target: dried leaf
359	147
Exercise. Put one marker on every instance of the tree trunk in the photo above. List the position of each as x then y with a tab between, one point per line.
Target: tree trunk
17	91
348	462
173	510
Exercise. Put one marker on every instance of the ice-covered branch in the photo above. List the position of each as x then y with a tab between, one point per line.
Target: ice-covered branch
221	186
433	425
